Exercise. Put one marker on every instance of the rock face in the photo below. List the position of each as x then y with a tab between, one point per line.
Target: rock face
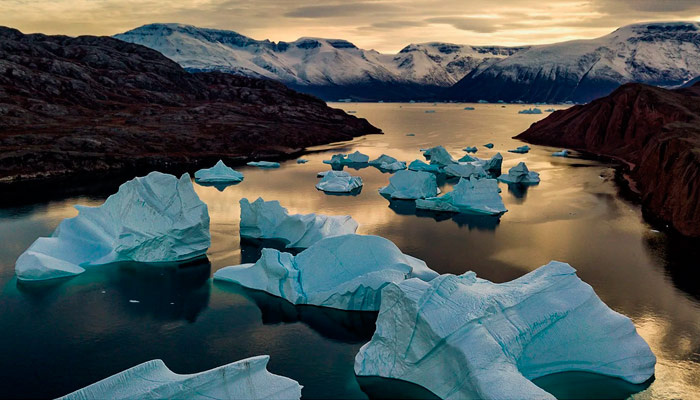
76	106
156	218
655	131
244	379
463	337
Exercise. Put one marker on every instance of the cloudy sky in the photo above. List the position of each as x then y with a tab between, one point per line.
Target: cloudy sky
385	25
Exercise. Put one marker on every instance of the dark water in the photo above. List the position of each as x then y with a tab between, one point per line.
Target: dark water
56	337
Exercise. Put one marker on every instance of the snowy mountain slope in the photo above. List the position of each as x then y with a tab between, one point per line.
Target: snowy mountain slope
330	67
663	54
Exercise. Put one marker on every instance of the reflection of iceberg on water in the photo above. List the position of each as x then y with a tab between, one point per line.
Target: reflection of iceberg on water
478	196
344	272
269	220
463	337
151	219
244	379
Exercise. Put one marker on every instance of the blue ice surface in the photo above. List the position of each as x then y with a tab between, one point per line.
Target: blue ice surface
561	153
469	195
264	164
339	182
411	185
530	111
489	145
520	174
521	149
218	173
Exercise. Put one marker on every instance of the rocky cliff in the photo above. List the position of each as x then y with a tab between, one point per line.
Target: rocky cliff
655	131
97	105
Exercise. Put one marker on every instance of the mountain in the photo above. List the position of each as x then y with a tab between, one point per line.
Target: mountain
89	106
655	131
661	54
328	68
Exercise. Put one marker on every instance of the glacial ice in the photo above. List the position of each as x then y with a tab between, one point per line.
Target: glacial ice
491	165
244	379
530	111
218	173
418	165
467	170
468	158
344	272
562	153
388	163
438	155
410	134
269	220
302	161
411	185
550	110
469	195
521	149
339	182
471	149
342	159
464	337
469	108
383	159
156	218
489	145
520	174
264	164
358	158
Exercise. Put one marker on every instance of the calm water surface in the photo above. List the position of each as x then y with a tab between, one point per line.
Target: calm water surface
56	337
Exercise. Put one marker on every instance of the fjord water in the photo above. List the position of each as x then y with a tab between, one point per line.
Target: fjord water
58	336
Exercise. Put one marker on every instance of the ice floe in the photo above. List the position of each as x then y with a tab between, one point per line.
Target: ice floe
467	170
521	149
302	161
561	153
411	185
339	182
463	337
344	272
388	163
477	196
244	379
418	165
269	220
438	155
530	111
520	174
264	164
471	149
489	145
218	173
156	218
353	158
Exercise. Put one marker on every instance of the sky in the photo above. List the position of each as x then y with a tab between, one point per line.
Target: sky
383	25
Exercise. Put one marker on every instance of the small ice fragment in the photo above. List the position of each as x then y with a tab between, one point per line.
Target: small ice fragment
530	111
562	153
489	145
520	174
264	164
471	149
302	161
339	182
521	150
134	301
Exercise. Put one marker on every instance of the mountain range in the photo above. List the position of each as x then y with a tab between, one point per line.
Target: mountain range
663	54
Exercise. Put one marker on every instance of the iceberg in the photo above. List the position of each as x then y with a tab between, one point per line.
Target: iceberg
491	165
489	145
562	153
438	155
530	111
468	158
520	174
418	165
482	102
358	158
411	185
410	134
302	161
521	149
469	108
383	159
264	164
467	170
156	218
339	182
471	149
463	337
388	163
429	111
344	272
469	195
550	110
244	379
218	173
342	159
269	220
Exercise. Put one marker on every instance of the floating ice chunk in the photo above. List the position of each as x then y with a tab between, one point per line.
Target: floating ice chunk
395	166
482	102
489	145
471	149
530	111
410	134
438	155
521	149
476	196
382	160
218	173
344	272
342	159
351	111
411	185
468	158
358	158
429	111
324	173
494	163
264	164
339	182
269	220
463	337
336	159
473	169
302	161
562	153
244	379
469	108
520	174
418	165
156	218
550	110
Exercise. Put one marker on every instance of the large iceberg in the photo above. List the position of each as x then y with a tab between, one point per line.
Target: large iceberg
473	169
463	337
218	173
269	220
344	272
244	379
438	155
520	174
264	164
470	195
339	182
156	218
418	165
411	185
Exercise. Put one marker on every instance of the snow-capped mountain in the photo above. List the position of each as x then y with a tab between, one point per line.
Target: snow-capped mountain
663	54
329	68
